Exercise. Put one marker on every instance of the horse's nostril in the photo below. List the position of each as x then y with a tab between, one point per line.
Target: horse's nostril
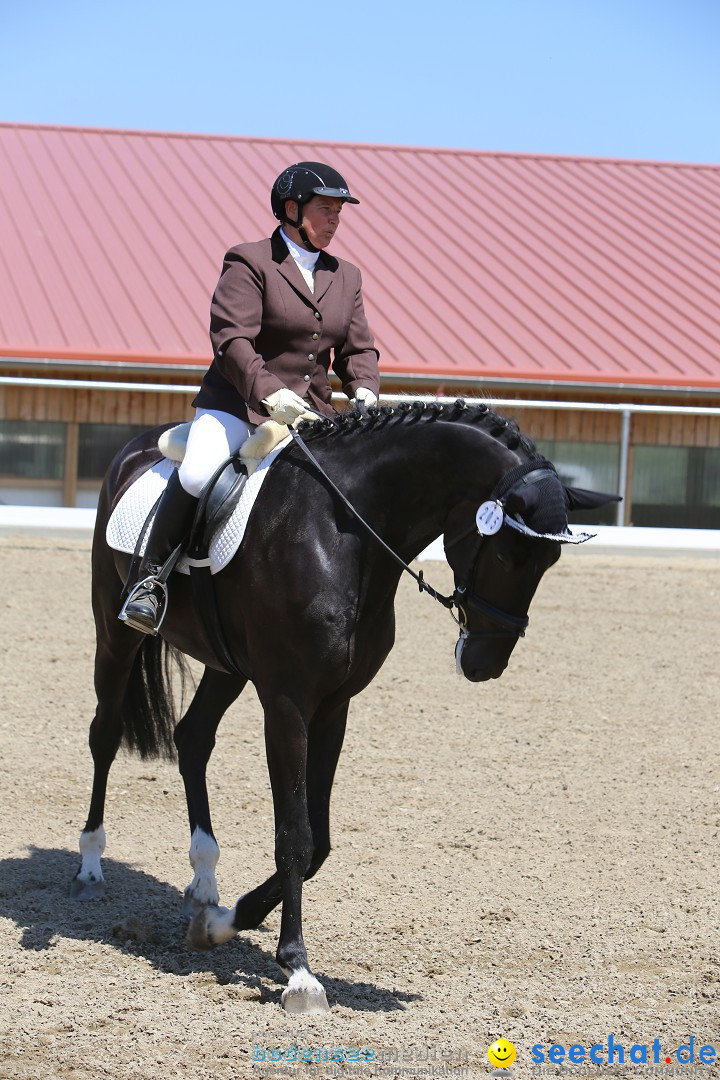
478	675
484	673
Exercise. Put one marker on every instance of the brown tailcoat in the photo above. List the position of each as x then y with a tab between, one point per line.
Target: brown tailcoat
268	331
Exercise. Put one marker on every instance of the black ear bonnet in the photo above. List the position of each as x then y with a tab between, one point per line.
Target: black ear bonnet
534	493
535	501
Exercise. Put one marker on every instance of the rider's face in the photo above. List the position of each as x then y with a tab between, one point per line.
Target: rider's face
321	217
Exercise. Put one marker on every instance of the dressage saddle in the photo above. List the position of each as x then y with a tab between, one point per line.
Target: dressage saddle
215	507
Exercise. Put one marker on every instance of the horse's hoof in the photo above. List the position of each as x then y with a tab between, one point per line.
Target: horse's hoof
212	926
198	934
304	994
86	890
309	1002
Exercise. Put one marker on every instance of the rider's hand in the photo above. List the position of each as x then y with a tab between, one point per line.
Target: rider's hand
285	407
365	397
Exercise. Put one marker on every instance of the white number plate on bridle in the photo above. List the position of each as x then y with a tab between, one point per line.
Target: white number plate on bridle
489	518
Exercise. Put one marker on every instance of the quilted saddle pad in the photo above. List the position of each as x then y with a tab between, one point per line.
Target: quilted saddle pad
129	516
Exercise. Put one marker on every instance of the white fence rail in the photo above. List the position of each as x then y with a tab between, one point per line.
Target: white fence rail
627	411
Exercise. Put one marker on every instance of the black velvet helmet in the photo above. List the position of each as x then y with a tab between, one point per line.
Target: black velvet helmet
301	181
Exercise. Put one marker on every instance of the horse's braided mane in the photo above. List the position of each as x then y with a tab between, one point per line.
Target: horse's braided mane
354	421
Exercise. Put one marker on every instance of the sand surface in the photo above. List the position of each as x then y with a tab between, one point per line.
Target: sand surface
535	858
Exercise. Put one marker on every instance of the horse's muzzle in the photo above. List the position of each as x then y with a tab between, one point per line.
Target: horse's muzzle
482	674
477	663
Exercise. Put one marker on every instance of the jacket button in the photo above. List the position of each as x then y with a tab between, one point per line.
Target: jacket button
307	378
311	356
317	314
315	337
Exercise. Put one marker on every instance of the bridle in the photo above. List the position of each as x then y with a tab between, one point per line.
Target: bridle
491	517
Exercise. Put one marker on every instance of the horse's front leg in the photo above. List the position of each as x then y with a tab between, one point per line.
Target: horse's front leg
286	743
195	740
327	730
324	745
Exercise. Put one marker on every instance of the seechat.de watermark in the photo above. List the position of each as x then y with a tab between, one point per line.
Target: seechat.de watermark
692	1052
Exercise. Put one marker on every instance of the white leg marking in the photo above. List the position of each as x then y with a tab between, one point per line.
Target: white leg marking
304	994
211	926
92	845
204	854
219	924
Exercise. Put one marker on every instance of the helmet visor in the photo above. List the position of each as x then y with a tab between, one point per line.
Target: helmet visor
335	193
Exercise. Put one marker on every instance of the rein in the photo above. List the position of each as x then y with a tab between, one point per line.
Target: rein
448	602
460	598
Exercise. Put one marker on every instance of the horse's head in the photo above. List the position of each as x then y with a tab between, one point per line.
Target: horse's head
499	558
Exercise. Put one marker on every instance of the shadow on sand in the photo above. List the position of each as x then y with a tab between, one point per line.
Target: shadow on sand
141	915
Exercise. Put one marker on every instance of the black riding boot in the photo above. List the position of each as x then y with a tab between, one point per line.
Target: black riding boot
144	608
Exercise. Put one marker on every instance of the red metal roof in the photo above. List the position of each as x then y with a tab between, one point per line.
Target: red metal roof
475	264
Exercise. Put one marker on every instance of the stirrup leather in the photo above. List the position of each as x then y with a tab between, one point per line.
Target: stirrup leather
148	584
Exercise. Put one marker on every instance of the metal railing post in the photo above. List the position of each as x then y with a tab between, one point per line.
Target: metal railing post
622	512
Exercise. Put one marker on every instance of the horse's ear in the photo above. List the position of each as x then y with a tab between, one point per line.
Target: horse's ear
582	499
522	501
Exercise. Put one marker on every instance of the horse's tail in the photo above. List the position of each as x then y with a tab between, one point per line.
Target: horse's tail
149	709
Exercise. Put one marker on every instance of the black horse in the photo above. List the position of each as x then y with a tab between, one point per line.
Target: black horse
307	611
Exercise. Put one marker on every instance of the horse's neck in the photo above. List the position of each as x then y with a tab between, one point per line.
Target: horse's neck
409	479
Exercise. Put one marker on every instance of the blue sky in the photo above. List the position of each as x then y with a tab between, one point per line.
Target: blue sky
608	78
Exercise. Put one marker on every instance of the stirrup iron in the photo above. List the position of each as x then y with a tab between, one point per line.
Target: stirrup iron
150	582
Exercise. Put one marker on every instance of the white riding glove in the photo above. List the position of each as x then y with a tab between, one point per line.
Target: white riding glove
365	397
285	407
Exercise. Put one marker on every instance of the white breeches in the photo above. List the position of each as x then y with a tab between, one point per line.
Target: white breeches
213	437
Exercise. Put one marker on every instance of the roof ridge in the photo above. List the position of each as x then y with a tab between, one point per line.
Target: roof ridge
340	144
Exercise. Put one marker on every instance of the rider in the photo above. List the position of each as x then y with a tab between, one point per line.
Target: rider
281	305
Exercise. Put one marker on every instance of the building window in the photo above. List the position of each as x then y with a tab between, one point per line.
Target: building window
32	449
99	443
676	487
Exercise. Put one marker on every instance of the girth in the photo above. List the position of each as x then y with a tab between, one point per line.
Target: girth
217	502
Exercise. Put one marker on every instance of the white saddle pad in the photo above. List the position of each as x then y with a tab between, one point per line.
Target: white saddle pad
130	514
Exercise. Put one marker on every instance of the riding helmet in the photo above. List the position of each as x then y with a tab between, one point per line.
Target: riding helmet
301	181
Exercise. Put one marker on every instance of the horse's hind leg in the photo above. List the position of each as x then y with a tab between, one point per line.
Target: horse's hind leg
112	673
195	741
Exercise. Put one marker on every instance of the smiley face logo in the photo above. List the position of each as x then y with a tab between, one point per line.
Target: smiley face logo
501	1053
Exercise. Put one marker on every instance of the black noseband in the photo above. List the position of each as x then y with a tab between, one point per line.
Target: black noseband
512	624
